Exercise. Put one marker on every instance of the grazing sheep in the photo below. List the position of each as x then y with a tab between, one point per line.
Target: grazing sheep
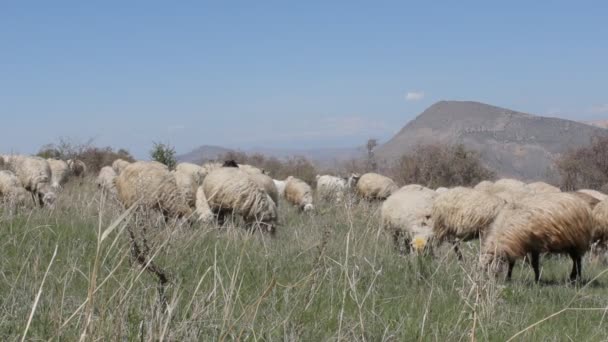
208	167
542	188
151	186
11	190
590	200
441	190
545	223
508	184
252	169
462	214
188	177
298	193
599	195
513	196
232	190
119	164
78	167
484	186
280	185
600	233
34	173
60	172
196	172
267	184
331	188
406	214
105	179
372	186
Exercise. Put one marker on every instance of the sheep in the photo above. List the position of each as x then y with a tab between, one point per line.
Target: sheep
545	223
119	165
508	184
372	186
331	187
11	190
60	172
441	190
151	186
196	172
484	186
188	177
298	193
232	190
78	167
407	214
267	184
590	200
208	167
105	179
542	187
599	195
462	214
600	233
34	173
280	185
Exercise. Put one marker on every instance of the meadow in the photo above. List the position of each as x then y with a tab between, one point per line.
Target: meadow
67	273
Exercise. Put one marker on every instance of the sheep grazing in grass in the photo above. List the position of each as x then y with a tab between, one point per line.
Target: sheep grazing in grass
188	177
78	167
298	193
231	190
406	216
372	186
105	179
280	185
594	193
600	232
542	188
11	190
267	184
331	188
545	223
151	186
194	171
210	166
462	214
508	184
34	173
484	186
590	200
119	165
60	172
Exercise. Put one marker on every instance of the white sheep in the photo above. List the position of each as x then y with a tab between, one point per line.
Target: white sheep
298	193
34	173
280	185
373	186
11	190
105	179
406	215
60	172
119	164
229	190
331	188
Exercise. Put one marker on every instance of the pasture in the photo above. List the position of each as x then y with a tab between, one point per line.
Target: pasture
326	275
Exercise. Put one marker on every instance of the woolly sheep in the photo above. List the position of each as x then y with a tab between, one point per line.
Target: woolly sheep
267	184
208	167
441	190
406	214
545	223
105	179
484	186
78	167
119	165
542	187
232	190
599	195
280	185
462	214
60	172
11	190
590	200
298	193
600	216
508	184
154	187
196	172
34	173
372	186
331	187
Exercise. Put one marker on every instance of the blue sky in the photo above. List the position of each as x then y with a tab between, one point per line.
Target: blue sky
301	74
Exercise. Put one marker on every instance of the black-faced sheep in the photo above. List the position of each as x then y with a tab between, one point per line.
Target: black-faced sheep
372	186
298	193
231	190
544	223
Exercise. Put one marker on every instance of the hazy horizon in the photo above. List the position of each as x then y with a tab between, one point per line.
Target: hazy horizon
307	75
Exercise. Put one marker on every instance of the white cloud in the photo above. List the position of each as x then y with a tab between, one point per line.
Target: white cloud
414	95
599	109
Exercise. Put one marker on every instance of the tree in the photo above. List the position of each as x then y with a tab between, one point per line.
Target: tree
585	167
164	154
372	165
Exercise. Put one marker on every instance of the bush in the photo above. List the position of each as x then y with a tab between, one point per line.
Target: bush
585	167
441	165
164	154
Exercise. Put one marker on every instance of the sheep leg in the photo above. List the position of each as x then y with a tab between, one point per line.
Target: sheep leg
400	244
457	251
510	271
535	265
576	267
40	200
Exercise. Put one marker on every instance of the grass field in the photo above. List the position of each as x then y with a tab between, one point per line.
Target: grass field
331	275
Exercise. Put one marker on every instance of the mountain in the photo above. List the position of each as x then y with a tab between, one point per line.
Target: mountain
512	143
598	123
203	153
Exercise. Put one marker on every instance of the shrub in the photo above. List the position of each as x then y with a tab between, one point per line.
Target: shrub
585	167
164	154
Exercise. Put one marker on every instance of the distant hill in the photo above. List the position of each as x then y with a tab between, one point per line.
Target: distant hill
598	123
512	143
321	156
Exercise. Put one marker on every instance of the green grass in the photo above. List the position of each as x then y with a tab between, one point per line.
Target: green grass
331	275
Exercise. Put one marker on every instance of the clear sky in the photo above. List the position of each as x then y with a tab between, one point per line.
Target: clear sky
285	73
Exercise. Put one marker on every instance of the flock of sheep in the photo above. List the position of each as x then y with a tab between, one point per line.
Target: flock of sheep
513	220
